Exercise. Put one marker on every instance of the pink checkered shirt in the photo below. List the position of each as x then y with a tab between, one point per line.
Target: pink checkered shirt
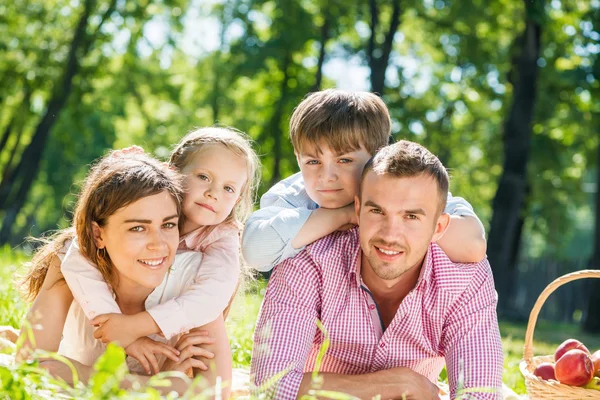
449	317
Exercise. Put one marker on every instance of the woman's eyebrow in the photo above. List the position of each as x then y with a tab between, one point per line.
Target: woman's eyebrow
149	221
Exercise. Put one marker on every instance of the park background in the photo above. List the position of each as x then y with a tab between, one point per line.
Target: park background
505	92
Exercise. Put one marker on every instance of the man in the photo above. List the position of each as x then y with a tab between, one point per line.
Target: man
392	306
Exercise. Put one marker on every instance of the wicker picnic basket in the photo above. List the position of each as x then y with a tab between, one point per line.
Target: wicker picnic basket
538	388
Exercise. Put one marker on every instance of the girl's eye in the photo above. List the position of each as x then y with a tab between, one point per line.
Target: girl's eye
203	177
345	160
312	162
170	225
229	189
137	229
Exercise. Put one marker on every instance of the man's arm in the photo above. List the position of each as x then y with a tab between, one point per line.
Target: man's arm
394	383
471	340
286	327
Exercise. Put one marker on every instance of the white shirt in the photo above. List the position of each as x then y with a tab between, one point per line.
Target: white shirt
78	340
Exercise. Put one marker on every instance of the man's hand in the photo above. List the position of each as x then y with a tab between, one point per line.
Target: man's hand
116	328
190	348
145	351
411	385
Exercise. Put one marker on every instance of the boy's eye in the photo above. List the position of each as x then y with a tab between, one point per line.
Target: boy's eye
138	228
170	225
345	160
312	162
229	189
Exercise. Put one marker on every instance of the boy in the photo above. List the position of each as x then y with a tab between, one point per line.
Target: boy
334	134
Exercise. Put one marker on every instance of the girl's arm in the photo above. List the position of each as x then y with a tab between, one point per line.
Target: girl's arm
45	320
206	299
87	284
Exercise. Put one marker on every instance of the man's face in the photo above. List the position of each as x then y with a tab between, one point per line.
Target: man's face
398	219
332	179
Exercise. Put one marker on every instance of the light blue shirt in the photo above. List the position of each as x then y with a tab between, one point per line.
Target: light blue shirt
284	209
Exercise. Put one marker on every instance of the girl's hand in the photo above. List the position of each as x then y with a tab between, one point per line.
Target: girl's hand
116	328
145	350
190	347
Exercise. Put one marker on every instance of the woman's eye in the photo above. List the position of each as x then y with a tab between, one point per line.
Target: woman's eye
229	189
170	225
137	229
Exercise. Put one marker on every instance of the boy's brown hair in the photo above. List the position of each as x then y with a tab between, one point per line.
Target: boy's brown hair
406	159
344	120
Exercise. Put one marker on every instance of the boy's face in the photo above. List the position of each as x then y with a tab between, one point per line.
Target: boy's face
332	180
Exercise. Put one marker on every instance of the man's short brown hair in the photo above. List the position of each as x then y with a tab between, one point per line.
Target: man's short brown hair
344	120
407	159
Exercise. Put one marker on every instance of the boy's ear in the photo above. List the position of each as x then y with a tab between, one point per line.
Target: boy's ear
441	226
97	232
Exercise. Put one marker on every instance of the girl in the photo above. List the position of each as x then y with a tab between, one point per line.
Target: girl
126	222
221	173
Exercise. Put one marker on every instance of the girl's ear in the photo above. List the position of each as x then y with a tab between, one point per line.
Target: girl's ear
97	232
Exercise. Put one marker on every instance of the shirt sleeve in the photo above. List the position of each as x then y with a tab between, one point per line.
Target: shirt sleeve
88	286
268	235
286	328
459	206
208	296
472	344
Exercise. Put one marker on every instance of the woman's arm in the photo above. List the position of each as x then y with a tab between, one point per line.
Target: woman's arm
45	320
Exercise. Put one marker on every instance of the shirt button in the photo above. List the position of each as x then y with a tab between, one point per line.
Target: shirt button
382	345
371	306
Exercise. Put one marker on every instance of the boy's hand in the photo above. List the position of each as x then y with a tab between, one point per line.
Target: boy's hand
145	350
116	328
190	347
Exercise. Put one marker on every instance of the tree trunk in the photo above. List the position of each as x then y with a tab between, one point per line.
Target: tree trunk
275	122
591	323
26	171
379	56
510	196
322	51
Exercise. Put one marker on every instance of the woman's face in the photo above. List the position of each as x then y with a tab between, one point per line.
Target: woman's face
141	240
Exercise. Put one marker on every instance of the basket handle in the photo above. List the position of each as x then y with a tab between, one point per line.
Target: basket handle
558	282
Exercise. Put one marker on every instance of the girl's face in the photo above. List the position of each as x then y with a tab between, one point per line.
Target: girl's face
141	240
214	180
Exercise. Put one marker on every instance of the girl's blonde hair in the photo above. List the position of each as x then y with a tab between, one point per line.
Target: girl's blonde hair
115	181
237	142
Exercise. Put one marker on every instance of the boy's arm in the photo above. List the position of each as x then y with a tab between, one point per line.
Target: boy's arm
321	223
209	295
464	240
87	284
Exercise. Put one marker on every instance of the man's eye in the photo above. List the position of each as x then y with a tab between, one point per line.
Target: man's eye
137	229
170	225
375	211
412	216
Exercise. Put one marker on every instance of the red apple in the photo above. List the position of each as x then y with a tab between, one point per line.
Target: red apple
596	361
567	345
574	368
545	371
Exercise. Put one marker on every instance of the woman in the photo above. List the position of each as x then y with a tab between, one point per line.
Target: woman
126	224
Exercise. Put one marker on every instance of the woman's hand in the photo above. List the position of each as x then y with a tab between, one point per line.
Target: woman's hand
145	351
190	350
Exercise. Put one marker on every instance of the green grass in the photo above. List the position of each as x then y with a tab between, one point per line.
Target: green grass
18	382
